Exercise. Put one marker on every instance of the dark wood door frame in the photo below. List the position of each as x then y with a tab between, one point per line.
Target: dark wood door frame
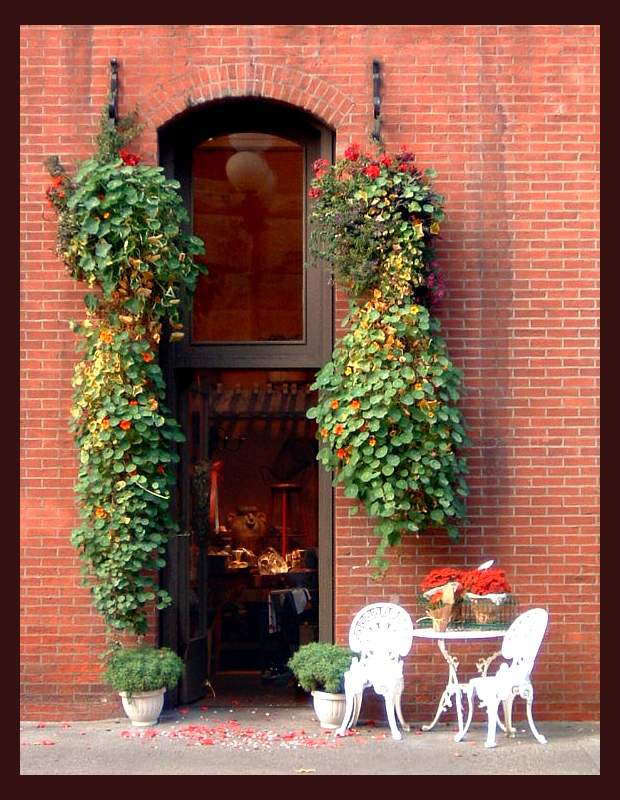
176	143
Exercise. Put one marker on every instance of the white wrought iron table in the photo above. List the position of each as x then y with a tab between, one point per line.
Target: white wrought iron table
453	686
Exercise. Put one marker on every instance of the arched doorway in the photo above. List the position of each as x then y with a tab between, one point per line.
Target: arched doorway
258	330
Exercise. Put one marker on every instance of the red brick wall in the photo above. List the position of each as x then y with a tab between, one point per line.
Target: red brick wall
508	116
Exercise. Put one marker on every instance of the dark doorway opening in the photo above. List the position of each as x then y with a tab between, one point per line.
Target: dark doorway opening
252	500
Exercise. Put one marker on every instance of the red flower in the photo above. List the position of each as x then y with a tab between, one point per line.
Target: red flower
439	577
372	171
385	159
352	152
125	425
486	581
133	402
314	193
341	453
160	468
147	356
129	158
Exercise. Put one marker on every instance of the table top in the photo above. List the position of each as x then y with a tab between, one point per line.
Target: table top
468	633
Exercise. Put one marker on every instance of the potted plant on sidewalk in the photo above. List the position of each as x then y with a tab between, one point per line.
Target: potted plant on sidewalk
141	675
319	668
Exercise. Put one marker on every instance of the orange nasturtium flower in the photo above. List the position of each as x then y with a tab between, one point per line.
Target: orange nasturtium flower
341	453
105	336
125	425
355	403
335	404
99	512
133	402
161	468
324	432
147	357
372	441
339	429
105	423
418	387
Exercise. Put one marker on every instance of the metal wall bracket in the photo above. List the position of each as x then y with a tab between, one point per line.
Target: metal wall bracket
376	100
113	104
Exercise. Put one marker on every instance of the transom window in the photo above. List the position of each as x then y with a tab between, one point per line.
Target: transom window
248	208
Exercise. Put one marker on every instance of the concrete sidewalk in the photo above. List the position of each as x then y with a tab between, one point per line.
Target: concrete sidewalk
204	739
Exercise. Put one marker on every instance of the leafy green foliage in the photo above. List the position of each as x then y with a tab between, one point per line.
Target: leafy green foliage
121	233
321	665
143	669
387	414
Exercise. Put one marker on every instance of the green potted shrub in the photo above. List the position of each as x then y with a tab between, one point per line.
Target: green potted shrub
141	676
319	668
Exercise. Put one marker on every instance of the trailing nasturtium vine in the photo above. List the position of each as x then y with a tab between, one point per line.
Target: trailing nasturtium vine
120	231
387	415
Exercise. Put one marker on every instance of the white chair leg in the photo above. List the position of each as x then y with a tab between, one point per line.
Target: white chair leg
357	707
349	709
470	713
389	708
492	706
507	705
399	710
529	697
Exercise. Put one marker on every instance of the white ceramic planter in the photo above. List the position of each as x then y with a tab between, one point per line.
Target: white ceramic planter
143	708
329	708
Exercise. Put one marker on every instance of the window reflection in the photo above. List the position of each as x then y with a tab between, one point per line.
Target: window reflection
248	196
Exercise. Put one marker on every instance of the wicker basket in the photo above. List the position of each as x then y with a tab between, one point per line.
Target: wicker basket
485	611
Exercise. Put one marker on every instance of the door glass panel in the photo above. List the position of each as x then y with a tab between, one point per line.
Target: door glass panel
248	207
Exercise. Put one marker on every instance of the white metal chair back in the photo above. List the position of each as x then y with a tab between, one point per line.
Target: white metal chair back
382	634
522	642
382	629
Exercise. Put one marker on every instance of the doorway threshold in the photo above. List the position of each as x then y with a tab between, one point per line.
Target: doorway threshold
250	689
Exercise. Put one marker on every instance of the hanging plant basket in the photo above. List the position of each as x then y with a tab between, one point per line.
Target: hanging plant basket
387	416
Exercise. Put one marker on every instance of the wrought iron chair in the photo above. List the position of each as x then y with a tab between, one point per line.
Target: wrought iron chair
382	634
520	646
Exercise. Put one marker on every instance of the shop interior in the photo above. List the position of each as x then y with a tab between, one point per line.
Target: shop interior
254	521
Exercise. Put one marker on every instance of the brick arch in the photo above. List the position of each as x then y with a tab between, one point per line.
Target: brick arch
324	101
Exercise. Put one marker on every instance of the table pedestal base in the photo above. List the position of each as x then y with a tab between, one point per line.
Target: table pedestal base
456	689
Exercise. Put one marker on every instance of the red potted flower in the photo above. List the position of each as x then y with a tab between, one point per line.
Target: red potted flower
442	591
486	589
